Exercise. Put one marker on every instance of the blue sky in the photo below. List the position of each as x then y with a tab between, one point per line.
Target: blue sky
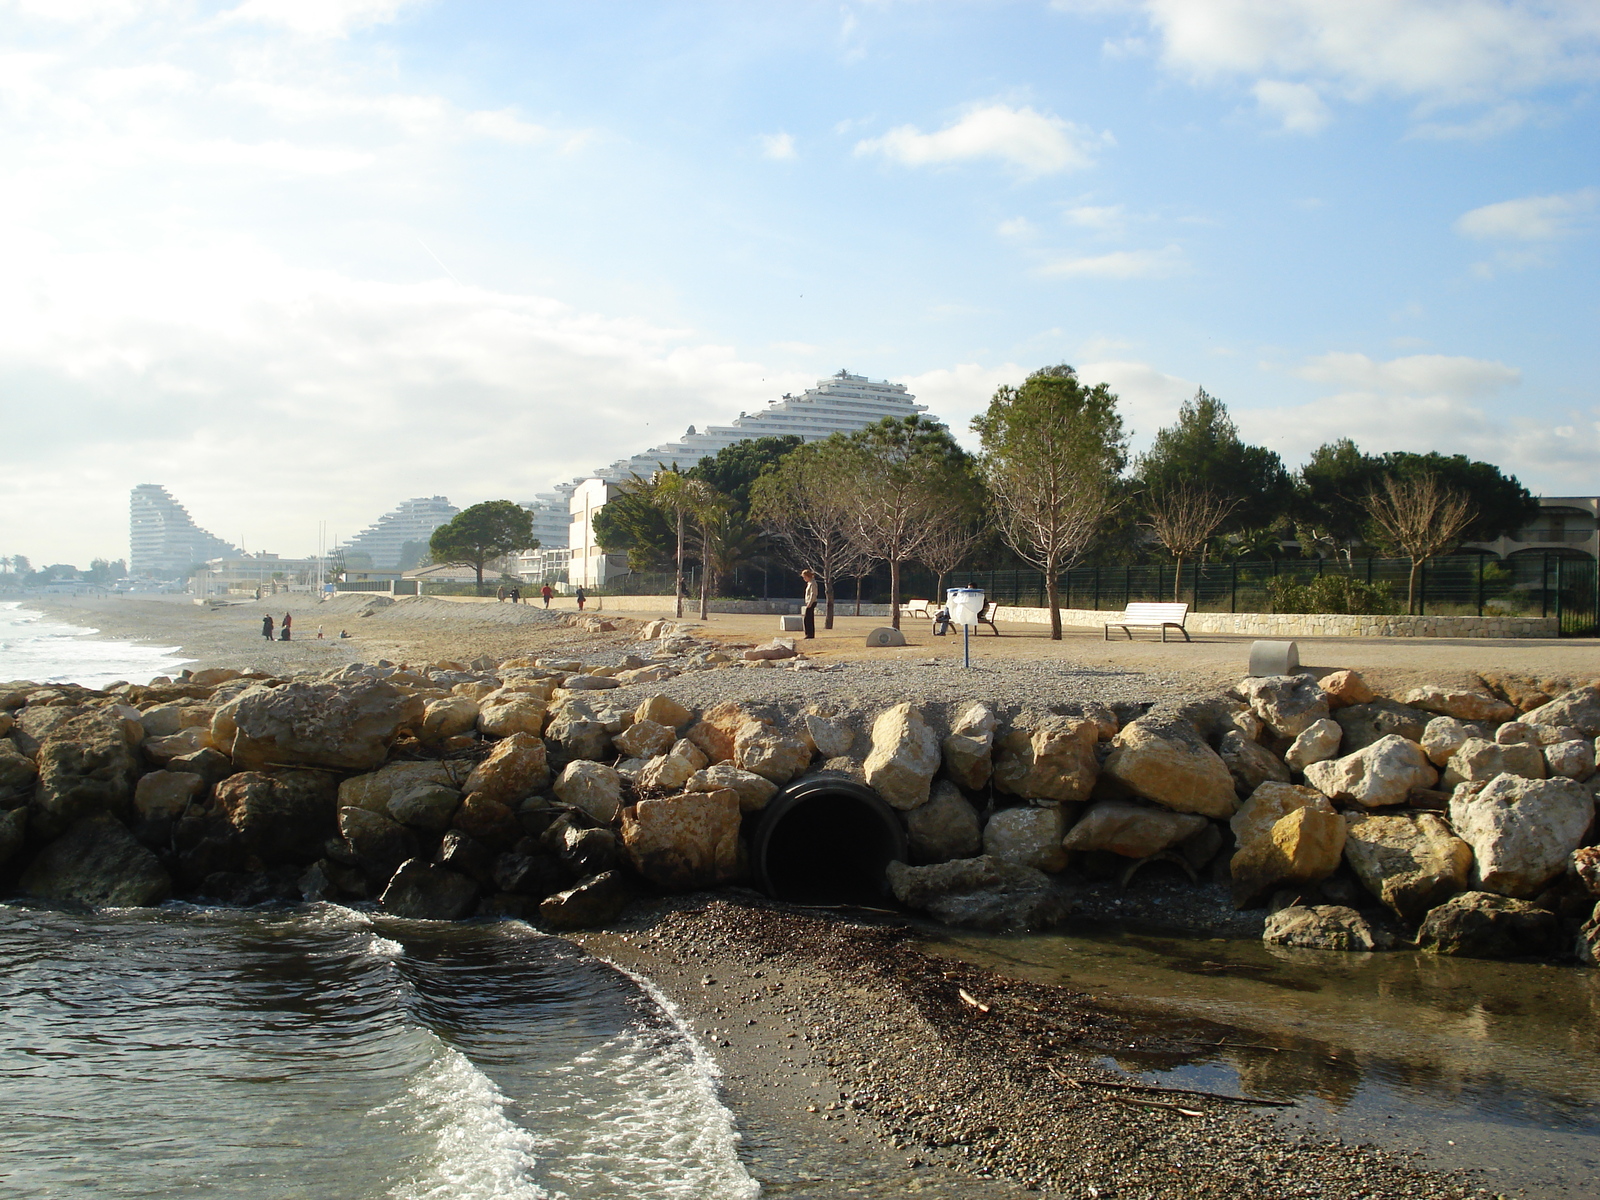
300	259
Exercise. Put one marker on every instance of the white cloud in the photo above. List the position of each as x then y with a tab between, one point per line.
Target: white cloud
1031	142
320	18
1447	376
1148	398
1015	227
777	145
1119	264
957	394
1295	106
1531	218
1108	218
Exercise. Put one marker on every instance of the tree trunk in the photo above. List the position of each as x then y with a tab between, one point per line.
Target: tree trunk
827	612
858	595
1052	597
894	590
1411	588
1177	578
705	580
478	566
680	565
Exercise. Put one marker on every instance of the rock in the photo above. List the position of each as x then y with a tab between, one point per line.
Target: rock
1478	761
162	750
1484	925
714	732
1167	761
1055	761
575	729
920	886
450	716
645	738
516	767
1521	830
946	827
213	766
86	767
753	790
1344	688
645	675
1104	720
18	774
980	893
421	891
1570	760
1364	724
429	807
763	750
826	737
1377	776
1269	804
968	751
13	833
373	843
1412	862
1513	732
165	794
595	901
211	676
97	862
1252	764
1584	868
663	710
1588	944
1027	837
1316	743
670	771
589	683
282	817
684	842
515	713
1580	709
348	726
1443	736
581	851
1131	830
162	720
374	791
534	874
1287	703
904	757
467	856
591	787
1303	846
1460	704
488	821
1323	927
775	649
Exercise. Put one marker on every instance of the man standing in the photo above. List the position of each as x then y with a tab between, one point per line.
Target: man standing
580	596
266	628
810	609
546	591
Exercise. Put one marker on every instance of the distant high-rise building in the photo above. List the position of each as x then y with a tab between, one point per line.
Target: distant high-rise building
163	540
410	521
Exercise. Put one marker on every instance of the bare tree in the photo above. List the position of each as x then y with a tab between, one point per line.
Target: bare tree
806	506
947	545
1183	517
1420	516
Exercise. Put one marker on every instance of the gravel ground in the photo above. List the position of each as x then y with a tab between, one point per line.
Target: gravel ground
856	1066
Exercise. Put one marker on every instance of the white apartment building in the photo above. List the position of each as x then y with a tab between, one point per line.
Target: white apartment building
163	540
411	520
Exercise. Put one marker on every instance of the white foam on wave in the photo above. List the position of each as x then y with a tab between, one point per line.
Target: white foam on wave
33	646
478	1152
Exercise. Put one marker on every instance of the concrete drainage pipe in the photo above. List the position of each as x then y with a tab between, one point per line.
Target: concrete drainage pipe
826	840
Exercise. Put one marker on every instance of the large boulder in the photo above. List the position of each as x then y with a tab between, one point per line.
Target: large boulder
348	726
1572	759
97	862
428	807
1458	703
1027	837
1270	803
1478	761
1364	724
1167	761
904	757
1411	862
1287	703
165	794
422	891
670	771
1521	830
503	714
968	751
450	716
663	710
1316	743
1443	736
981	893
753	790
1377	776
946	827
1301	847
1583	867
1131	830
1344	688
828	737
1052	762
373	843
517	767
86	767
769	752
374	790
1323	927
18	775
13	833
595	901
645	739
487	821
281	817
717	727
1485	925
684	842
1250	763
594	788
577	730
1579	709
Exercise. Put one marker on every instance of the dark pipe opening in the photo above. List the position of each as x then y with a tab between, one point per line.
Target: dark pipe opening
827	841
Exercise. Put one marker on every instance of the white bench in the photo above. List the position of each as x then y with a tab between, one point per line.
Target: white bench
1151	616
918	608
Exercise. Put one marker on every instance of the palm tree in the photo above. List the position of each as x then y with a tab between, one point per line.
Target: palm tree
670	491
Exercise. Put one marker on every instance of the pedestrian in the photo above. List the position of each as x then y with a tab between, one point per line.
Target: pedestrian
284	636
500	595
810	609
516	595
266	627
319	633
547	591
580	597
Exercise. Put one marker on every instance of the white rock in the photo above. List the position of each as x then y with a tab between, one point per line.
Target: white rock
1027	837
1521	830
1316	743
905	755
1379	775
591	786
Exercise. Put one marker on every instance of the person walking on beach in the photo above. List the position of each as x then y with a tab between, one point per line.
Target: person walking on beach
284	636
580	597
546	592
266	627
500	594
516	595
810	609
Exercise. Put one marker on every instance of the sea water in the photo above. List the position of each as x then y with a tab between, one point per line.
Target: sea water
45	650
327	1054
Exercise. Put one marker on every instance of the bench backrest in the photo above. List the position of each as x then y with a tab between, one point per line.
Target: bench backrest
1152	613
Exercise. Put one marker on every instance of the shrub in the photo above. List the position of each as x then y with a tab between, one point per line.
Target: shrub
1329	594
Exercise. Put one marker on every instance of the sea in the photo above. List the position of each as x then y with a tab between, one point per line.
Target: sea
46	650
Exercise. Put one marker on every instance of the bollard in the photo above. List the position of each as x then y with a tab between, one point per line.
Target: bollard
791	624
1274	658
886	636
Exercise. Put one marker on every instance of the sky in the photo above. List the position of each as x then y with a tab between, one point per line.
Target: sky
297	260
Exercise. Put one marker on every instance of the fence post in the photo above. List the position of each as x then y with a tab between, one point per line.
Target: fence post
1197	585
1369	570
1233	590
1560	563
1422	590
1097	586
1544	586
1480	584
1127	585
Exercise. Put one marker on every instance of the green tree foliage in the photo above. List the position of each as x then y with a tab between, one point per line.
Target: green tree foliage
1501	505
482	534
1329	594
1052	450
805	503
734	469
1203	451
104	571
413	555
1329	506
632	524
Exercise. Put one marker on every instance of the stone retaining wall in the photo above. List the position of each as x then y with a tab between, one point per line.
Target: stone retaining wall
1282	625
